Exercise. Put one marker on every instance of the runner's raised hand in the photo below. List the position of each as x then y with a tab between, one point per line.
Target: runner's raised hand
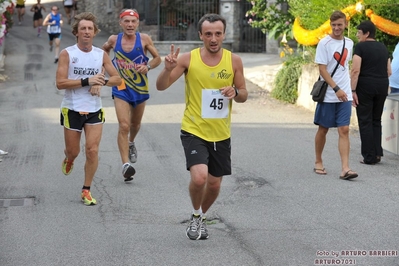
171	59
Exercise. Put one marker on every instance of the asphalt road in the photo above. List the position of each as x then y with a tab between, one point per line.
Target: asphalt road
273	210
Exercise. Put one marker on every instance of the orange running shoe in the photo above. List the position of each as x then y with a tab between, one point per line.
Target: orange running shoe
67	166
87	199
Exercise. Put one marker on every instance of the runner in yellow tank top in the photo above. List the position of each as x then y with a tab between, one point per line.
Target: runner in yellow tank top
214	77
20	6
207	115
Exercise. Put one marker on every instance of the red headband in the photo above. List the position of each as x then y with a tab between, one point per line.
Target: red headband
129	13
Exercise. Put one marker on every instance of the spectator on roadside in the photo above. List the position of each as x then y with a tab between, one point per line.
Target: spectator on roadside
81	74
68	7
20	6
38	16
214	77
130	50
336	109
371	68
74	8
53	21
394	78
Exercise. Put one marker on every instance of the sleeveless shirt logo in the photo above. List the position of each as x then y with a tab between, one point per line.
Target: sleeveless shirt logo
85	71
123	64
75	60
223	75
127	71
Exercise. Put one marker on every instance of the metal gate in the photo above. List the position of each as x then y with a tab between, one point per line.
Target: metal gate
178	18
252	40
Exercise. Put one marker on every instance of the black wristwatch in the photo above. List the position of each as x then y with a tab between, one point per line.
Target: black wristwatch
236	90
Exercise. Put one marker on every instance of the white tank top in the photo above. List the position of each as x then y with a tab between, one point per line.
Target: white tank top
83	65
68	2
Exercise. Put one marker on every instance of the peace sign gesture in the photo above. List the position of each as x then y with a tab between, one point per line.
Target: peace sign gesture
171	59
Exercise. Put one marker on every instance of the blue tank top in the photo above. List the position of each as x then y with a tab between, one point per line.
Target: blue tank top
126	63
55	28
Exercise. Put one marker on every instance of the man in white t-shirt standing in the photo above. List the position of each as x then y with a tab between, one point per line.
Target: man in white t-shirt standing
336	109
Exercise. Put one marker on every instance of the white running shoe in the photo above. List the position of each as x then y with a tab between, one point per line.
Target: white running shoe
193	230
128	172
132	153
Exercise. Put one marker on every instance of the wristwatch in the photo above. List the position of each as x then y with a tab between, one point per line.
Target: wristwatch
149	67
236	90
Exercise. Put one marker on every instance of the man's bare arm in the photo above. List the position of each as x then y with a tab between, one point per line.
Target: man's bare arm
149	46
174	68
109	44
239	79
114	78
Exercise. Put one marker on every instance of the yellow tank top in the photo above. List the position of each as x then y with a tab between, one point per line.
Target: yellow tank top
20	2
208	113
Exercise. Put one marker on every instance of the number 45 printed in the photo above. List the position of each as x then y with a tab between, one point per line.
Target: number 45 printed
214	104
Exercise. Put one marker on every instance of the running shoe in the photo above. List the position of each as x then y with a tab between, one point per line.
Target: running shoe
203	229
128	172
3	152
87	199
67	166
56	61
193	231
132	153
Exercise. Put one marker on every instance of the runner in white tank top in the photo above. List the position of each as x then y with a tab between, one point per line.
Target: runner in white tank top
81	74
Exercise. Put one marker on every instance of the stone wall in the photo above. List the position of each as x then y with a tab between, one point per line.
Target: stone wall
107	18
229	9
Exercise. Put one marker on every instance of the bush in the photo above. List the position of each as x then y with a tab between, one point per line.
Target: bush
6	11
285	87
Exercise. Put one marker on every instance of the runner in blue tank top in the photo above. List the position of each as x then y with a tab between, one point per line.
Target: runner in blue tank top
130	49
53	21
135	89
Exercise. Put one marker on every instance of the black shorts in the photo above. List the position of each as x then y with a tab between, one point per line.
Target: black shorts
52	36
76	120
37	17
216	155
20	6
